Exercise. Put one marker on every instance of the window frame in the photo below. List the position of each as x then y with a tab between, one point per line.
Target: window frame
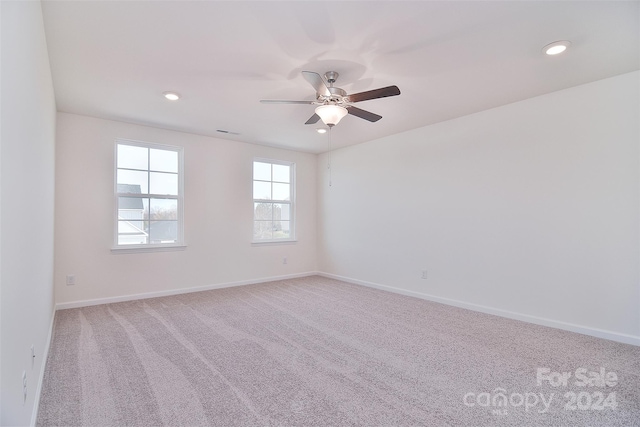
292	202
150	247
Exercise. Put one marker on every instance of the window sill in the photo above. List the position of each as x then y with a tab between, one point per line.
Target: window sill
273	242
146	249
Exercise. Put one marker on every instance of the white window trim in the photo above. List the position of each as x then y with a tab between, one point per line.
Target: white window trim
156	247
293	239
140	249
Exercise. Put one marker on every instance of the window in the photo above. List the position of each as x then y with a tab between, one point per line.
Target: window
273	196
148	195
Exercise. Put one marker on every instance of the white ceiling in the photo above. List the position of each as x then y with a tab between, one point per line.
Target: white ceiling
114	59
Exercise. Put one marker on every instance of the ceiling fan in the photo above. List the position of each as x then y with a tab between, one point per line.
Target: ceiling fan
334	103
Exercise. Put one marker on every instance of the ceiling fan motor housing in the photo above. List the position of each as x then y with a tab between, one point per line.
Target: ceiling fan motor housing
336	94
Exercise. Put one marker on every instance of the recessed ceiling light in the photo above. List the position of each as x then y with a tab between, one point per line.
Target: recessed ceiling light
171	96
321	130
556	47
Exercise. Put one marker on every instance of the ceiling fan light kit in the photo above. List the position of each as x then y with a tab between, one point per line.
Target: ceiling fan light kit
331	114
333	103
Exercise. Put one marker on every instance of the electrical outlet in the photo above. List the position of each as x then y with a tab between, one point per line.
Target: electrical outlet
284	260
24	386
71	279
424	274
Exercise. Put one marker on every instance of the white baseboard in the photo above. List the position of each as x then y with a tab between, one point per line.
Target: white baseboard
43	365
594	332
133	297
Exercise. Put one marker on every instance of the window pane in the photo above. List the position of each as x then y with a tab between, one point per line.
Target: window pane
131	228
262	211
164	209
261	190
163	160
262	230
163	232
133	209
262	171
281	173
281	211
281	229
281	192
134	182
277	212
132	233
163	183
132	157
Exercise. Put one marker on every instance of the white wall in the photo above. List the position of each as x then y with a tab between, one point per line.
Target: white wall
530	208
27	171
218	215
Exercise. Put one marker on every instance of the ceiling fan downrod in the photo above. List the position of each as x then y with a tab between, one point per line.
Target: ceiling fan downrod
331	77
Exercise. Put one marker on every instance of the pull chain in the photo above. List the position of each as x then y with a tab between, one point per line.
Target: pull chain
329	160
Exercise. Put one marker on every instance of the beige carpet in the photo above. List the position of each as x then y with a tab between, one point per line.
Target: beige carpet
320	352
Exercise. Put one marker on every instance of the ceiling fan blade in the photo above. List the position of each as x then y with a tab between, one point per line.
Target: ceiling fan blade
313	119
374	94
317	82
363	114
281	101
